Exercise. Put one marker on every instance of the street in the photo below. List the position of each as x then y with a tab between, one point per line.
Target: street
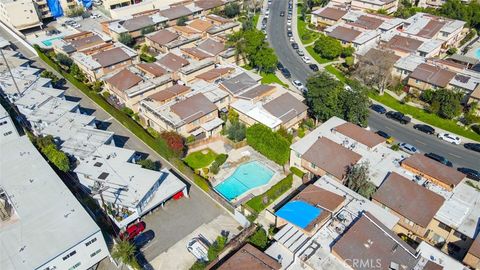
179	218
277	36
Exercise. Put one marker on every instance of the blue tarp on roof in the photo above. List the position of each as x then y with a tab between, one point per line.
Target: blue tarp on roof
87	3
55	8
299	213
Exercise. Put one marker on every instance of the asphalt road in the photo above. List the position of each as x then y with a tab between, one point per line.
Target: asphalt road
277	36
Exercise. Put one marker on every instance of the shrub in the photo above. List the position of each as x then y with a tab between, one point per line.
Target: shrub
328	47
49	149
270	144
395	147
217	247
309	123
63	59
174	141
284	133
219	160
106	95
476	128
452	50
349	60
262	201
236	131
147	58
182	21
198	265
297	171
148	30
259	239
191	139
347	51
149	164
232	10
126	39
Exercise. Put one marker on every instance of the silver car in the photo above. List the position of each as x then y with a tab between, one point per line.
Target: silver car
408	148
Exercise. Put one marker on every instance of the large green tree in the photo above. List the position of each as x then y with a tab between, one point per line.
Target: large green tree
446	103
126	39
323	96
357	179
266	60
328	47
354	103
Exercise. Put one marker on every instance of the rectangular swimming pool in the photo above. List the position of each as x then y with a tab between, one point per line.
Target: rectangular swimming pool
48	42
246	177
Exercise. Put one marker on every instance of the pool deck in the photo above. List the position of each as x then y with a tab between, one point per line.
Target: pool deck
473	48
243	155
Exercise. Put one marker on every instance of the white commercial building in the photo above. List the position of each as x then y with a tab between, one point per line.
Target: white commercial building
42	225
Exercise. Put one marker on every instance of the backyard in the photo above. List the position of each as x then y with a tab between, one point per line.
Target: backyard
200	159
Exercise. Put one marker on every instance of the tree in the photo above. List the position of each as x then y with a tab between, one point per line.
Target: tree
259	239
328	47
50	75
182	21
48	147
238	42
147	30
355	103
323	96
266	60
236	131
268	143
357	179
375	69
347	51
446	103
124	251
149	164
232	10
174	141
126	39
76	72
64	59
255	39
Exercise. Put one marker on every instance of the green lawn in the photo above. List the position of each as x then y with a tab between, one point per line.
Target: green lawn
200	159
422	115
306	36
316	56
262	201
337	73
268	78
255	20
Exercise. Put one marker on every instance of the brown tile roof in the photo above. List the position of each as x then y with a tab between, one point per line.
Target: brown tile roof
285	107
369	240
111	57
331	157
432	266
208	4
257	91
434	169
367	22
431	29
249	258
219	19
214	73
176	12
344	34
195	52
404	44
433	75
317	196
137	23
124	80
212	46
152	69
475	247
173	62
193	108
200	25
409	199
359	134
163	37
185	29
169	92
80	34
334	14
86	42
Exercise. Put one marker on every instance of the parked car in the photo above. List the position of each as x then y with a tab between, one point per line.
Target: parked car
385	135
300	52
408	148
289	22
449	138
378	108
470	173
267	12
424	128
289	28
306	60
473	146
440	159
313	67
132	231
282	13
295	46
286	73
264	21
289	34
292	39
144	238
398	116
299	85
280	66
198	249
289	16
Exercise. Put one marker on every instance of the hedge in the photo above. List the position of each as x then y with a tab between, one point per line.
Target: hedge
262	201
270	144
297	171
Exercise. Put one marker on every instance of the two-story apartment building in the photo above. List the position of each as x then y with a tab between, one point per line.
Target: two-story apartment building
81	42
328	16
405	45
135	25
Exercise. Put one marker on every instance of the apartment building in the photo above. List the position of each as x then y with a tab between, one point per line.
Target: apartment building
125	189
403	46
84	41
105	60
136	25
328	16
249	256
30	202
20	14
390	6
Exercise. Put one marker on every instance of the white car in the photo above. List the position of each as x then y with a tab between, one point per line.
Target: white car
306	60
198	249
299	85
292	39
289	22
408	148
267	12
449	138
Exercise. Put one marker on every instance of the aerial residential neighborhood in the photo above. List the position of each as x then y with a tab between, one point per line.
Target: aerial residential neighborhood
227	134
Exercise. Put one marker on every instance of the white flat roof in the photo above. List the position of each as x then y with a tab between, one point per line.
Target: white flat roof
256	112
48	219
430	253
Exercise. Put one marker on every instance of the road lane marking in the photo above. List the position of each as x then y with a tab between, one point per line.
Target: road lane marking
420	142
455	155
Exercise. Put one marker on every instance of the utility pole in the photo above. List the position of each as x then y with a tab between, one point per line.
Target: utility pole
10	71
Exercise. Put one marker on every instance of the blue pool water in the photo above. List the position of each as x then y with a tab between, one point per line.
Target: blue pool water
246	177
477	53
299	213
48	42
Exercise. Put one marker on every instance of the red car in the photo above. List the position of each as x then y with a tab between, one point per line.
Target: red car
132	231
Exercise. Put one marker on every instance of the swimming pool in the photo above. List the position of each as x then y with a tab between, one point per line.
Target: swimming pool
477	53
246	177
48	42
299	213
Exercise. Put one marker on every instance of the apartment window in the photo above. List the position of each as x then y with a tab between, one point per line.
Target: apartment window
91	241
313	166
460	235
69	255
7	133
444	226
95	253
3	123
75	266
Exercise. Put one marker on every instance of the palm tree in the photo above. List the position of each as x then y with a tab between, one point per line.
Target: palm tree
238	42
124	251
